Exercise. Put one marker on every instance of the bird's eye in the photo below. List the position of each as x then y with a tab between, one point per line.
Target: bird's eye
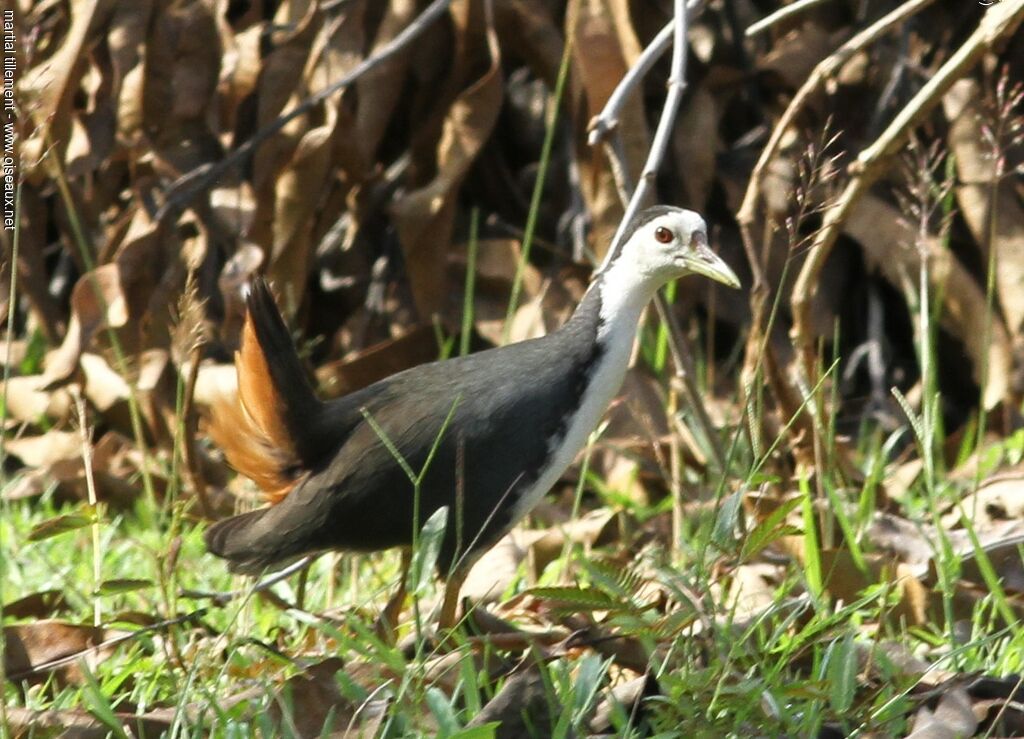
663	235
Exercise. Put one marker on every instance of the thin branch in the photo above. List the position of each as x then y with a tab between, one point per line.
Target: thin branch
607	121
999	21
222	597
825	71
780	15
190	185
676	87
759	348
678	345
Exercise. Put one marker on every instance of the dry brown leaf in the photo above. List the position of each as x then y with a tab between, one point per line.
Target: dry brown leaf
996	500
528	30
128	27
233	208
282	68
845	581
306	701
953	717
46	89
379	91
34	222
215	381
28	400
600	59
911	543
300	184
106	390
976	167
523	707
240	64
696	145
499	567
44	604
363	368
1002	546
53	446
183	53
424	218
31	646
752	590
794	56
114	293
97	301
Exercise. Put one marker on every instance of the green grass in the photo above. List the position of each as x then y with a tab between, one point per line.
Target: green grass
642	606
787	671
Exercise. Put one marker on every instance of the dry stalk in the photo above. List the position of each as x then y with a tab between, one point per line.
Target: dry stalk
999	22
662	134
190	338
780	15
603	127
759	347
823	72
90	486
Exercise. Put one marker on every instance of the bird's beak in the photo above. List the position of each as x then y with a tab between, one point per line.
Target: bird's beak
703	261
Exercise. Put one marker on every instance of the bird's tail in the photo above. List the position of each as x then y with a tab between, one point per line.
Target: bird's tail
265	430
268	433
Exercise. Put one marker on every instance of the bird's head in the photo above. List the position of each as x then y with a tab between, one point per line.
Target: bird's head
664	242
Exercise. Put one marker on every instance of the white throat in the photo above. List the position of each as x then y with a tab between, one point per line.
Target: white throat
624	295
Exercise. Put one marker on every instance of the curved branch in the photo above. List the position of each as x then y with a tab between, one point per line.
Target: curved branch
676	87
999	21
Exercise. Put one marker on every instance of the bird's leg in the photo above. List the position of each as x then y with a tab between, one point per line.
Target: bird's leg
387	621
450	604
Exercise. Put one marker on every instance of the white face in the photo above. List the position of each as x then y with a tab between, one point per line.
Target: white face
674	244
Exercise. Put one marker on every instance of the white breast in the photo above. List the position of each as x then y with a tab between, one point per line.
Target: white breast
617	335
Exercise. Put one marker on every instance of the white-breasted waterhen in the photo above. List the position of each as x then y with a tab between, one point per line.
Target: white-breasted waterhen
521	414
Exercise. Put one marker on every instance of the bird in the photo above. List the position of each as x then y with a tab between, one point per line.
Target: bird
498	427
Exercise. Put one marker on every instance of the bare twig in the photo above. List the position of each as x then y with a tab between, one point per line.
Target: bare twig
825	71
72	658
676	87
759	351
607	121
999	21
604	127
682	358
224	596
780	15
190	185
90	486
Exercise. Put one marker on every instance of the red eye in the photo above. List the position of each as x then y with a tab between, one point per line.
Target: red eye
663	235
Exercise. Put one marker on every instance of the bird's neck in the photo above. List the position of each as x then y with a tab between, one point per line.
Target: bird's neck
623	296
603	328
